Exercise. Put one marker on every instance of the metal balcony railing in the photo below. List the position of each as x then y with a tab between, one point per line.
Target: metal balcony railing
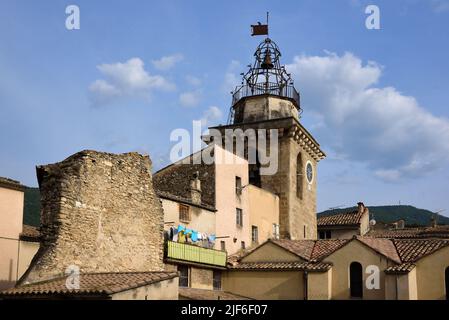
192	253
287	91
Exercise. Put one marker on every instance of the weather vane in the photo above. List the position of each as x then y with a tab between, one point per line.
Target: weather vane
260	29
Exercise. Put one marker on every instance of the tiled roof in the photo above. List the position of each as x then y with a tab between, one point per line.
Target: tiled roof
413	250
301	248
324	248
401	268
170	196
402	252
283	266
346	219
92	284
383	246
11	184
412	233
29	233
203	294
309	250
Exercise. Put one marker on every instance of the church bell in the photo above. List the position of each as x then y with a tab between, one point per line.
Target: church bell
267	64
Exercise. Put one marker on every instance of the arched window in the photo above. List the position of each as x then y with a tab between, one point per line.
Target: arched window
446	280
356	280
299	176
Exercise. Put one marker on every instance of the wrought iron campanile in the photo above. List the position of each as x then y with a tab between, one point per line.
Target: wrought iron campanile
266	76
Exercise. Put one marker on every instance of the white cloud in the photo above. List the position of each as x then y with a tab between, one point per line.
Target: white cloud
128	79
167	62
211	115
190	99
380	127
193	81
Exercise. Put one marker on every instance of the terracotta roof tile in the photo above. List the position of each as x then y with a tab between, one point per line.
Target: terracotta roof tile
92	283
412	233
301	248
413	250
385	247
347	218
324	248
177	198
30	233
203	294
285	266
401	268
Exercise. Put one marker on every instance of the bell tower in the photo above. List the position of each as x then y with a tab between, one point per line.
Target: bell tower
267	99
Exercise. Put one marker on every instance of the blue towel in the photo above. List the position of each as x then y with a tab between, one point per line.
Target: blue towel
194	236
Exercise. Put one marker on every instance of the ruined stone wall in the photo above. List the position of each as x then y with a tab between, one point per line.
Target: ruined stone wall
99	212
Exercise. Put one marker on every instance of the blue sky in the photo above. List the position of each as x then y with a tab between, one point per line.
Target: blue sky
376	100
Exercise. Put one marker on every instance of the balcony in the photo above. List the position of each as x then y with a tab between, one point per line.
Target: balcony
287	91
192	253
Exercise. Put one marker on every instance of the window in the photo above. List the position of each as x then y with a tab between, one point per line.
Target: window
325	234
217	280
223	245
183	276
275	231
299	175
255	234
238	186
305	232
243	245
239	217
184	213
447	282
356	280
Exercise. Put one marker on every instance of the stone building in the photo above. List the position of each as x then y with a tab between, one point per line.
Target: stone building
344	225
268	100
214	199
101	223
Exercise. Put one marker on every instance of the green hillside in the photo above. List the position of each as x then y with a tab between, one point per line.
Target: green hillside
32	207
412	216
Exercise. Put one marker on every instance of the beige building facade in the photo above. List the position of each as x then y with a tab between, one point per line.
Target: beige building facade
16	251
343	269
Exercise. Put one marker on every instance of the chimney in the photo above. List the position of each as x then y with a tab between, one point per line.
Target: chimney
433	221
361	207
195	188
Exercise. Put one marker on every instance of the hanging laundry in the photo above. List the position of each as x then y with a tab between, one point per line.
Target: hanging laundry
181	237
181	228
194	236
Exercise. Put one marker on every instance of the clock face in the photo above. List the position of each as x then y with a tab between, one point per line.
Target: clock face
309	172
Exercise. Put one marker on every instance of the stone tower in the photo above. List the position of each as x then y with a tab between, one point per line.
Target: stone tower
100	214
267	99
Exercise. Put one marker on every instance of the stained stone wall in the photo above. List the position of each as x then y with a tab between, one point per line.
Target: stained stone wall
99	212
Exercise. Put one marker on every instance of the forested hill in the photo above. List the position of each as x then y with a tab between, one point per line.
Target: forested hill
412	216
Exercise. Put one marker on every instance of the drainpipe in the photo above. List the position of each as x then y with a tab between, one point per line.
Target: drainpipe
306	284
